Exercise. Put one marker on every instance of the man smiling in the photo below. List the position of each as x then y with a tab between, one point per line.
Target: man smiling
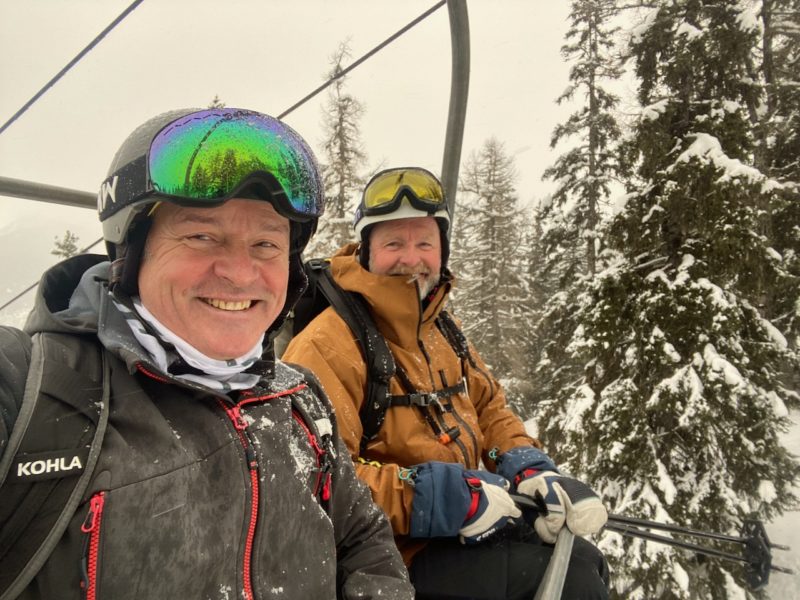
217	275
216	470
408	247
421	444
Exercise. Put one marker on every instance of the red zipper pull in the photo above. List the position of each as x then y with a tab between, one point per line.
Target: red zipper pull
326	488
95	509
236	416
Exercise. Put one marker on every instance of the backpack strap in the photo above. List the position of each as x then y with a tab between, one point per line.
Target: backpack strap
424	399
352	308
51	453
315	416
454	336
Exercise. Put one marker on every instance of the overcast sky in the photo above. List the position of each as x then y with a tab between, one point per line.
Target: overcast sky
264	55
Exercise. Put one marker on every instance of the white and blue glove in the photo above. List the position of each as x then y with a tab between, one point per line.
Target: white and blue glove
568	501
490	508
451	501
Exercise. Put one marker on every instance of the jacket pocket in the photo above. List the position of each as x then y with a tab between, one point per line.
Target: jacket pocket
92	529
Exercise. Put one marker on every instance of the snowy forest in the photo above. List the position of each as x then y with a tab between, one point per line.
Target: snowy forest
646	317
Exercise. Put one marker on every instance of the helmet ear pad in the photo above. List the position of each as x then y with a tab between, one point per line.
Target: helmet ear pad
127	258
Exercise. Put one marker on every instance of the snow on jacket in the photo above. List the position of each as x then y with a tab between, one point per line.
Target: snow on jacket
183	513
329	349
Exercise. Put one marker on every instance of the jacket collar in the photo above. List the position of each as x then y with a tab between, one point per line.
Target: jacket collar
393	301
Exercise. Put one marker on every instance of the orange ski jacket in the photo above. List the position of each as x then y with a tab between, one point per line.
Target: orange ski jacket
410	435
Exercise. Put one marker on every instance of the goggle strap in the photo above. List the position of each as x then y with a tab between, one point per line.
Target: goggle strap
125	186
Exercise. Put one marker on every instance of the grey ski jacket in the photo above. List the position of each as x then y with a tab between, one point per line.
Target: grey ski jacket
198	494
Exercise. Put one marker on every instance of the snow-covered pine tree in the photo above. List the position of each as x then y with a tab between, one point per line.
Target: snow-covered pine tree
555	262
583	174
776	121
678	414
216	102
66	246
541	286
488	260
341	159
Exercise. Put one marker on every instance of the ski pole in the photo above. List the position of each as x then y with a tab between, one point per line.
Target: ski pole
654	537
556	572
757	546
623	520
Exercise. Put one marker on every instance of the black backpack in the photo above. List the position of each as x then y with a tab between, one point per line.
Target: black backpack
51	454
322	292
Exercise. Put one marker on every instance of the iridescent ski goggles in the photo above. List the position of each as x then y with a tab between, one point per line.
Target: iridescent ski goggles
205	157
386	190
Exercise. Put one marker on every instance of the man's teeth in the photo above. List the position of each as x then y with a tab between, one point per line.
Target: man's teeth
223	305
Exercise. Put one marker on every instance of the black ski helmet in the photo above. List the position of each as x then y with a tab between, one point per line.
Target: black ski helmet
204	157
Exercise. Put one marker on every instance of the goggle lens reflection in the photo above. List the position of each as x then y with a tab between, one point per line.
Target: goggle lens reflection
206	155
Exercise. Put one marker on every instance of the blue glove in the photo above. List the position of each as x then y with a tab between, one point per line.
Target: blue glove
514	463
568	500
451	501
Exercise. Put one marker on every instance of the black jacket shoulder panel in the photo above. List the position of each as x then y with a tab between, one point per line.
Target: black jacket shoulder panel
15	357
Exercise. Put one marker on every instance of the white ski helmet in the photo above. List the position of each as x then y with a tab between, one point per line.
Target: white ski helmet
401	193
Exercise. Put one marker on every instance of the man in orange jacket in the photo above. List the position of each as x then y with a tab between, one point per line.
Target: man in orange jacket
458	528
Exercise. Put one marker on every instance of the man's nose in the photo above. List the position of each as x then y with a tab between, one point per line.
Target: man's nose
409	256
236	264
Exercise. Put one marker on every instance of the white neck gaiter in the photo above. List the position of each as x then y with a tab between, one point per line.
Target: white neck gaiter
217	374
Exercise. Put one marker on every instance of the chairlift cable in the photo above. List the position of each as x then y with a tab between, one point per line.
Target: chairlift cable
70	64
377	48
20	295
127	11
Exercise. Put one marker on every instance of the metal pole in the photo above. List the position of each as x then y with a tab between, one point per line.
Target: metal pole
459	90
654	537
556	573
18	188
623	520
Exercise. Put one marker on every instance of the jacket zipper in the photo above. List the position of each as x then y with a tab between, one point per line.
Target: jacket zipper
461	421
439	418
240	425
91	527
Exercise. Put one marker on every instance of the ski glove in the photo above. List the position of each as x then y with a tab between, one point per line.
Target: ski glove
490	509
514	463
451	501
567	500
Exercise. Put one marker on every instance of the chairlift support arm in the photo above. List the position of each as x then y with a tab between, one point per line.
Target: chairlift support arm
18	188
459	91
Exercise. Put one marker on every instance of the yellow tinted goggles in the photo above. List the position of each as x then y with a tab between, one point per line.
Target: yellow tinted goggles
386	191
